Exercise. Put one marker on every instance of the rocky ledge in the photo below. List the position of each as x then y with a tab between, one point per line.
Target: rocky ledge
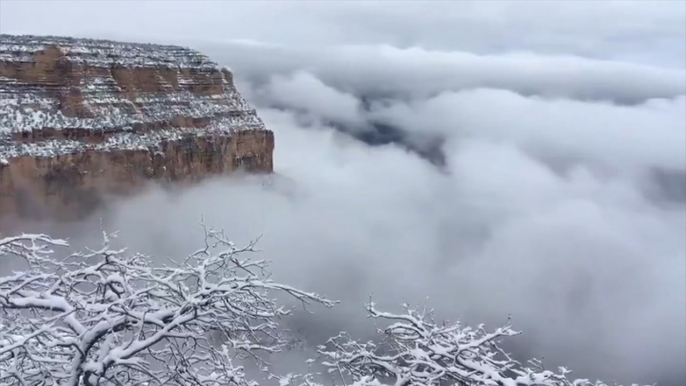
81	118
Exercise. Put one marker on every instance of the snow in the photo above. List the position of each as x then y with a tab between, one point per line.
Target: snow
122	140
152	324
22	111
103	53
27	109
150	328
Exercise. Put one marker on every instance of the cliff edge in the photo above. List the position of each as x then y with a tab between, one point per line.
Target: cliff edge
81	118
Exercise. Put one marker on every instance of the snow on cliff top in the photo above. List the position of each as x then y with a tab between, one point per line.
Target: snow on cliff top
30	105
125	140
102	53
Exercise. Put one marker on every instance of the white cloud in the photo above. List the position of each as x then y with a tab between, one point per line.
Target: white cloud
647	135
420	73
578	260
303	91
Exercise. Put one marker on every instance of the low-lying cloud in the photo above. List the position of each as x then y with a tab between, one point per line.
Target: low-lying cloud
419	73
546	209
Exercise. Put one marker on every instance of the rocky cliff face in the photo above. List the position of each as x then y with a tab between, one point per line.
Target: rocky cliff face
80	118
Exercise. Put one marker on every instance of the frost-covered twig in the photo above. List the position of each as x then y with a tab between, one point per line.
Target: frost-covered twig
105	317
419	351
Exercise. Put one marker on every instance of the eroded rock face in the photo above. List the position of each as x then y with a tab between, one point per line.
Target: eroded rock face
80	118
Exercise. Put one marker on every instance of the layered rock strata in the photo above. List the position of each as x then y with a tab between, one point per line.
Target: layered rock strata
80	118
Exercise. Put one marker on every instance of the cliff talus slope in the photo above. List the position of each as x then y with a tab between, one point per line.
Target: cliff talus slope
80	117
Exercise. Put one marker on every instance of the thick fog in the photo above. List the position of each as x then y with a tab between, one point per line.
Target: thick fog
542	177
565	212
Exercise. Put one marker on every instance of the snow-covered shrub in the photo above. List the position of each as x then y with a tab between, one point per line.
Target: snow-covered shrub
415	350
109	318
106	317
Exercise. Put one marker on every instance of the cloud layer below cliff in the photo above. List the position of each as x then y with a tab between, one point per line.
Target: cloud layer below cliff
563	208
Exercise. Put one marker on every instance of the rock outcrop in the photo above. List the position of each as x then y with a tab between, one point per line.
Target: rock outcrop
80	118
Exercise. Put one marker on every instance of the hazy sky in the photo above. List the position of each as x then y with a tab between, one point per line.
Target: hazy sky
646	31
561	198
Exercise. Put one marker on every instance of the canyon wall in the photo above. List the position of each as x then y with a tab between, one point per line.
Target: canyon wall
84	119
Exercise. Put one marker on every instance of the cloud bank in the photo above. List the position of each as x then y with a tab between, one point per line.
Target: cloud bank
567	213
384	70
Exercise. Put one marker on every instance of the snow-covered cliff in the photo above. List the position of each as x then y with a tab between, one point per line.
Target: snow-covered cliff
77	109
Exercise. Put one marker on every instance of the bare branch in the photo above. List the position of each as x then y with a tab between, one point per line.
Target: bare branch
418	351
104	317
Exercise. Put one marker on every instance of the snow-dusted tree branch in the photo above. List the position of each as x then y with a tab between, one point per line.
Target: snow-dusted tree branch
106	317
418	351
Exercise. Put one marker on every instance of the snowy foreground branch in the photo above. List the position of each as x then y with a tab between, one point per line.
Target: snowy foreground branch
109	318
418	351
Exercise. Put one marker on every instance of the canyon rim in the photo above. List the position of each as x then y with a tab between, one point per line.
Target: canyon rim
81	119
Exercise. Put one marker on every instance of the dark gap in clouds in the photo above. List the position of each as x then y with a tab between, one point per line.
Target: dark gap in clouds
427	145
671	185
371	100
379	133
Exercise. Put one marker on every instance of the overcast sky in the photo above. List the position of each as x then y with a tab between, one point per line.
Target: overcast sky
528	158
645	31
